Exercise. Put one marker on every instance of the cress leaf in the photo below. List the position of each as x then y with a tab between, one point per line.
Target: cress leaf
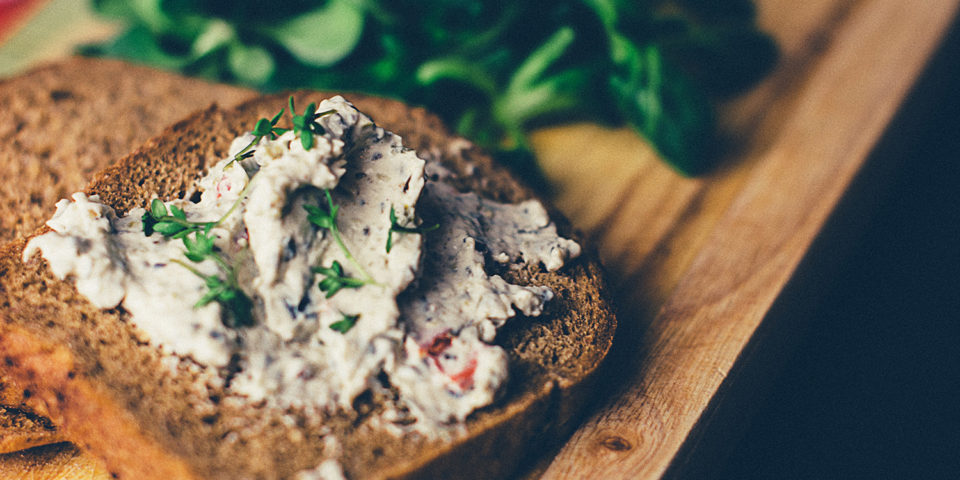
276	118
345	324
262	128
191	253
322	221
330	286
177	212
169	228
214	282
323	36
157	208
306	139
315	211
228	295
208	297
396	227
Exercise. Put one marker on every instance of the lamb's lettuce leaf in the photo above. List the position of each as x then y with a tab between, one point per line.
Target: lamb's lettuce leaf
494	70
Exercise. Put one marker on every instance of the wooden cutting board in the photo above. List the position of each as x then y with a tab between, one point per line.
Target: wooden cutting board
710	271
707	268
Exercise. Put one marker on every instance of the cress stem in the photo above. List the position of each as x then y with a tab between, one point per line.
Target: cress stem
243	194
346	252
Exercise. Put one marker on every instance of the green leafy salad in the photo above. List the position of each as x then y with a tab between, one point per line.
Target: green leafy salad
493	70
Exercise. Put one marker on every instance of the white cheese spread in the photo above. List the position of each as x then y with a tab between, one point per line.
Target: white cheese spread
422	319
329	469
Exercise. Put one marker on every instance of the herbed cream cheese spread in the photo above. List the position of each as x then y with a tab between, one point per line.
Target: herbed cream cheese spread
419	315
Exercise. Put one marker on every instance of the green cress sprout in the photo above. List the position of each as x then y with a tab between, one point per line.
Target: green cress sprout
306	125
345	324
199	243
335	279
228	294
197	237
396	227
325	217
263	128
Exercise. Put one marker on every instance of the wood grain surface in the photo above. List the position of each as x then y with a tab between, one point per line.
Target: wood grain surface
699	262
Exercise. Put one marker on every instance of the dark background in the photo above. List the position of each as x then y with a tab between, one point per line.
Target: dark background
872	390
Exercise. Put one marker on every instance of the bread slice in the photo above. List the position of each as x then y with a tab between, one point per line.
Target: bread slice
63	122
114	396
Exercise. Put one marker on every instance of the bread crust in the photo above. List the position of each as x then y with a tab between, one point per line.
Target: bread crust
112	393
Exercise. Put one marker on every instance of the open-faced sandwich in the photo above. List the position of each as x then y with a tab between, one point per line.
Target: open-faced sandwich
344	290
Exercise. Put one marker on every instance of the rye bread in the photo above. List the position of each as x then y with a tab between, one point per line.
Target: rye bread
63	122
114	397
